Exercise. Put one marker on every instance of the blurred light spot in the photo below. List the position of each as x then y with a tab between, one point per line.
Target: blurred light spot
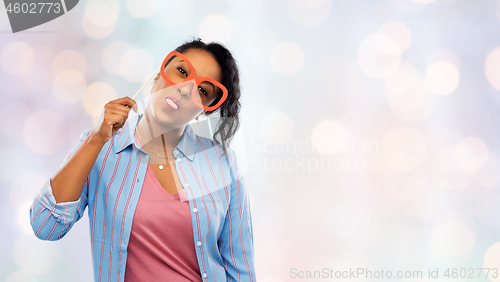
287	58
69	59
178	17
417	115
405	186
309	13
215	28
43	131
379	56
23	216
143	8
492	68
399	32
405	89
135	64
443	55
492	260
20	276
489	174
404	148
353	223
95	31
451	242
68	86
471	153
34	255
442	78
328	137
16	114
406	93
17	58
276	127
112	55
102	13
96	96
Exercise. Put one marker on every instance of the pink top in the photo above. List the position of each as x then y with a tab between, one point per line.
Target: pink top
161	245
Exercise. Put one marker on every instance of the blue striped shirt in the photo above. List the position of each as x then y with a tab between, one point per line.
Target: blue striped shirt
218	201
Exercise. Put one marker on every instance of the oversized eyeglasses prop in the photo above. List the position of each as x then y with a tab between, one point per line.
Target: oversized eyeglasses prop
176	69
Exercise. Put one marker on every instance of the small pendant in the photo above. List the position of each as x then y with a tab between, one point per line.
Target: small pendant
161	167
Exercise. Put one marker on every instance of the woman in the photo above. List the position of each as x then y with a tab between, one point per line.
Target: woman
164	204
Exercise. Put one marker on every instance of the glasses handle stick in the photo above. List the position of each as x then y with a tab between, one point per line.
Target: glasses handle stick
154	73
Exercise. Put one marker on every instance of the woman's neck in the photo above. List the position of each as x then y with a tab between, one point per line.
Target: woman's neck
158	136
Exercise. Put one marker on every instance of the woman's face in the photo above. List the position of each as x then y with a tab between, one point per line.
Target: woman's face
163	94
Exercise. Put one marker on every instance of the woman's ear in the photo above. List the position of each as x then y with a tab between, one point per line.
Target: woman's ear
156	78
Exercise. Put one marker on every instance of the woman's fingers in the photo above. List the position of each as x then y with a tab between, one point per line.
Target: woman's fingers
117	106
127	102
117	111
115	116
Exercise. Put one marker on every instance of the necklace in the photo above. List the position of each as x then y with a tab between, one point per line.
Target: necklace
144	142
149	147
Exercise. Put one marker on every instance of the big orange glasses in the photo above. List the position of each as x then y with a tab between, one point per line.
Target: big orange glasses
176	69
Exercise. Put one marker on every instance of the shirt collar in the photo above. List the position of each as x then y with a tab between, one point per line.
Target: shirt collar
126	137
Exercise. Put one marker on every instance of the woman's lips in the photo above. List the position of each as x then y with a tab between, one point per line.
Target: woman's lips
172	103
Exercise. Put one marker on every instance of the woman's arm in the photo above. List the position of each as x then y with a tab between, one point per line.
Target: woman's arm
236	239
68	182
62	200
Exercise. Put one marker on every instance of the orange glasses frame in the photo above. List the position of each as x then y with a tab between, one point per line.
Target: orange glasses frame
198	80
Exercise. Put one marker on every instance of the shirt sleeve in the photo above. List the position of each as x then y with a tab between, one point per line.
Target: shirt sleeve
236	239
50	220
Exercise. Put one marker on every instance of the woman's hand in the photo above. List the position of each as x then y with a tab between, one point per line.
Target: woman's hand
115	116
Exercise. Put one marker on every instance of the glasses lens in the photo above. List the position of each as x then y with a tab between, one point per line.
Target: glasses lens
177	70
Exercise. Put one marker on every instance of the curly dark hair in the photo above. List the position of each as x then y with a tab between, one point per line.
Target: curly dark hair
229	110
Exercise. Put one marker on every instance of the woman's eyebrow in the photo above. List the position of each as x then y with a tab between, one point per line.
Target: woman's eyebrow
181	60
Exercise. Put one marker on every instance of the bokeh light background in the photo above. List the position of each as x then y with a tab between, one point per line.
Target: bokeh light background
370	127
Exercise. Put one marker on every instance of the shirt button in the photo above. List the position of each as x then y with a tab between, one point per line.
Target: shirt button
199	243
186	184
204	275
179	159
195	209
